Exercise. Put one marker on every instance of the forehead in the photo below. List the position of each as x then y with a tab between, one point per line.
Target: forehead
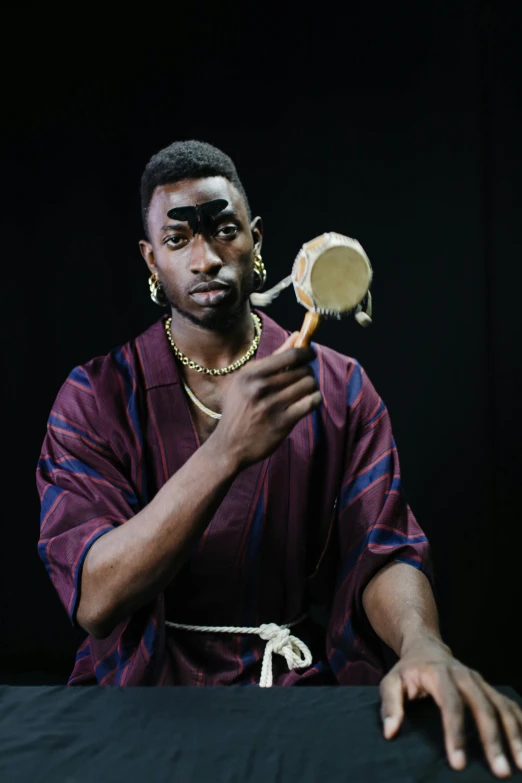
190	192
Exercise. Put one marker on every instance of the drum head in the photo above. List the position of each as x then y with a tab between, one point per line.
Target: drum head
340	278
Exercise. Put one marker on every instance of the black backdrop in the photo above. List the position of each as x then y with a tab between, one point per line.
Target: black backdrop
397	124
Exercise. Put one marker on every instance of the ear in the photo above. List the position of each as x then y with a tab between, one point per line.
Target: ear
148	254
256	227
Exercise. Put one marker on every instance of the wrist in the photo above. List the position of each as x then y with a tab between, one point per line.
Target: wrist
421	636
221	456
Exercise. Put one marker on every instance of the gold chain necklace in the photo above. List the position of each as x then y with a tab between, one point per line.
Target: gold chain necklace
199	404
186	362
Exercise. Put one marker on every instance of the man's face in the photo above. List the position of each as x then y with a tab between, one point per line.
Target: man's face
206	273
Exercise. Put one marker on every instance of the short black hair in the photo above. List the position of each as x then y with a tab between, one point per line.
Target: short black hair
186	160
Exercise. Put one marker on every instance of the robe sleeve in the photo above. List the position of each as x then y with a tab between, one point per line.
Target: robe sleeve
374	526
82	483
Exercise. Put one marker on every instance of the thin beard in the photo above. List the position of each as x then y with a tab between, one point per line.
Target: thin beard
216	322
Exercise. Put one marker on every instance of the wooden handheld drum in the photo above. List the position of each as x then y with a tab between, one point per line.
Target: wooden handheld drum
331	277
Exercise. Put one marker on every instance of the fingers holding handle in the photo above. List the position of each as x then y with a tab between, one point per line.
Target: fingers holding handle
288	343
310	324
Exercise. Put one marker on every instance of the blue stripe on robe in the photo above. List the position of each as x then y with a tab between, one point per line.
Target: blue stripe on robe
78	570
52	493
55	420
346	640
132	406
380	536
78	375
354	383
380	411
74	466
354	487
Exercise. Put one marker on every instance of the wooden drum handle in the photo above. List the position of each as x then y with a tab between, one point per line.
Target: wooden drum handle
310	324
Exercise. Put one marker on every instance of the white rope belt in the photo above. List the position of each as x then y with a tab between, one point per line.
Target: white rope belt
278	638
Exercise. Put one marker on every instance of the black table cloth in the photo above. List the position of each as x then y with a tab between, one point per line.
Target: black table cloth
234	735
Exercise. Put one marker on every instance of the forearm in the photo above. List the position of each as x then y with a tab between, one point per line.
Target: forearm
130	565
400	606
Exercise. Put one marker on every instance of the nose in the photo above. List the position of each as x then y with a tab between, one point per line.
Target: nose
204	259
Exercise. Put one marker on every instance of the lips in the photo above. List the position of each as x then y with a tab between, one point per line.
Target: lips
210	294
214	285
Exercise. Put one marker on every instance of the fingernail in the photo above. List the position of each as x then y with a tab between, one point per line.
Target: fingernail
458	759
501	766
389	726
519	759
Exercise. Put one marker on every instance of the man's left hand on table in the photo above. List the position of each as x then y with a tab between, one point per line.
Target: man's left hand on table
427	668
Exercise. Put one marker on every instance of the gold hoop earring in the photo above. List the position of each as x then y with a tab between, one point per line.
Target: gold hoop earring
259	270
156	291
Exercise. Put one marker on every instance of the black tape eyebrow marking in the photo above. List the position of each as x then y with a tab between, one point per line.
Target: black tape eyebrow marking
200	215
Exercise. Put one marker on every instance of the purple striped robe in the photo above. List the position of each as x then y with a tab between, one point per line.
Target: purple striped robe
309	526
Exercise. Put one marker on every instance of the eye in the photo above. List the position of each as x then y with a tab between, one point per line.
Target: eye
174	241
228	232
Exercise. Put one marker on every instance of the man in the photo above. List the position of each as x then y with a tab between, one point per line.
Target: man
183	505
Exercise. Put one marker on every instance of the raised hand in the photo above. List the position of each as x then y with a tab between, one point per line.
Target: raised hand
265	401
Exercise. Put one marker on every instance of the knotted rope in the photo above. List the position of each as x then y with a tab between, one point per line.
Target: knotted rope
278	640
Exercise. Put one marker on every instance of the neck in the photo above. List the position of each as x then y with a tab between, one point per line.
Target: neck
211	348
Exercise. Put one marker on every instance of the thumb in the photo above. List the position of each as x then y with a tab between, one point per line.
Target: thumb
392	704
288	343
